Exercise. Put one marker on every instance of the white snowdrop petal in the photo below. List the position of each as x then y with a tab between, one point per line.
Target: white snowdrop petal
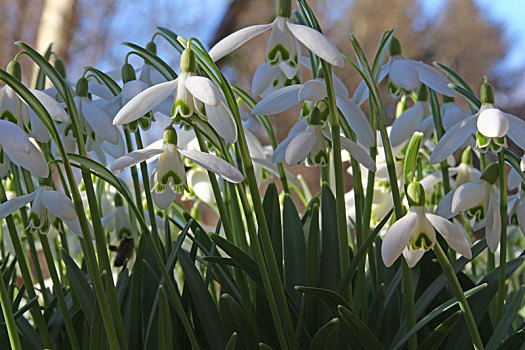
358	153
55	109
263	78
33	160
214	164
455	235
432	78
221	119
144	102
236	40
280	150
468	195
288	71
493	123
133	88
74	226
453	139
38	130
116	151
133	158
203	89
100	122
493	224
299	147
339	86
356	119
513	180
278	100
444	209
317	43
59	205
199	181
312	90
361	93
9	207
412	257
452	115
516	130
163	199
403	73
100	90
407	123
397	238
11	135
272	168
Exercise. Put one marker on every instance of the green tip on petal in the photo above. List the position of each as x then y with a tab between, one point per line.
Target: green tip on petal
486	93
416	194
466	156
395	47
491	173
82	87
15	69
170	136
187	61
128	73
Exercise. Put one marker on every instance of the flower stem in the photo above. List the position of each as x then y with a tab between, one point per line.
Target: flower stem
8	316
460	296
503	240
344	255
24	270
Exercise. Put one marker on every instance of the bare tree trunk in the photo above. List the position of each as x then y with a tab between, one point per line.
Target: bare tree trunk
54	27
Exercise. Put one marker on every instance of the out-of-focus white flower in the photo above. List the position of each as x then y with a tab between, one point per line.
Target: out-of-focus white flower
414	234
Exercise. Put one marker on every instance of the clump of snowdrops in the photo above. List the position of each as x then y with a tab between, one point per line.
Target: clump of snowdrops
104	180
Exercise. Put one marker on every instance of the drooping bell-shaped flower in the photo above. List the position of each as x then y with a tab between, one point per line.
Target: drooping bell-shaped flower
194	96
169	175
490	125
47	205
479	201
16	145
414	234
95	120
314	91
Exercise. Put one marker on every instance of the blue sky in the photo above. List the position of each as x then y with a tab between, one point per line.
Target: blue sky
507	13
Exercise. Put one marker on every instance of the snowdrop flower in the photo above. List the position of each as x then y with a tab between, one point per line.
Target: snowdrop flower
490	125
282	51
479	201
414	234
451	113
95	120
405	76
413	119
314	91
170	175
194	95
46	207
16	145
517	209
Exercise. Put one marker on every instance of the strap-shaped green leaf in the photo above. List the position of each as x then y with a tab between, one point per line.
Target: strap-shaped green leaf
360	330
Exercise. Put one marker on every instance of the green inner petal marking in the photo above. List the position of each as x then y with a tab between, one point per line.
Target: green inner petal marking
422	241
477	212
182	107
170	175
277	54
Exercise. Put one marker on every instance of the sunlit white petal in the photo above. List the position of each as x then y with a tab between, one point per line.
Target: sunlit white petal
133	158
278	100
455	235
59	205
236	40
356	119
214	164
9	207
203	89
469	195
492	123
397	238
432	78
453	139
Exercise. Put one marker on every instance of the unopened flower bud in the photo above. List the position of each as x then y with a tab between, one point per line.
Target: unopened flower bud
15	69
128	73
82	87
